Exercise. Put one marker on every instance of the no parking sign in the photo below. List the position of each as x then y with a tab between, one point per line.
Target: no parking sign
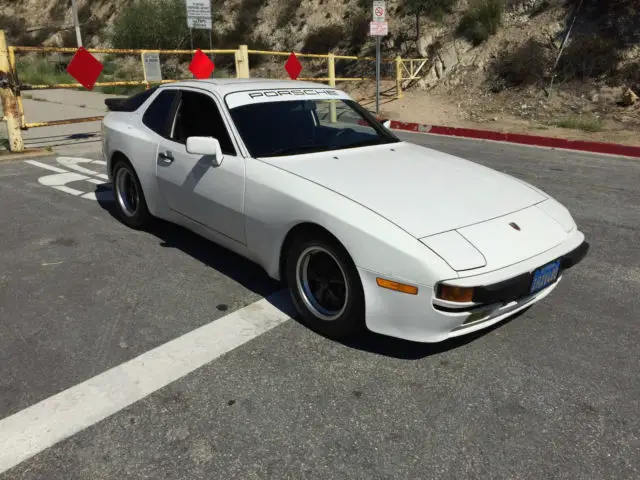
379	11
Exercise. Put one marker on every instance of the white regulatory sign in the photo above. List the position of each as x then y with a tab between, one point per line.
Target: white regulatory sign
199	14
379	11
151	67
378	29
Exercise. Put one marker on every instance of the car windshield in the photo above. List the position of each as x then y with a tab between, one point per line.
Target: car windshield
295	127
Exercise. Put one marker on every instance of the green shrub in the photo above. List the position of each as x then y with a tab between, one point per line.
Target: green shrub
629	75
244	25
358	28
435	9
17	34
526	65
323	39
287	13
481	20
37	70
587	124
155	24
588	56
259	42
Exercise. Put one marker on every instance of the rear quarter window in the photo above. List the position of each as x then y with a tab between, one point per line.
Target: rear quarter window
157	116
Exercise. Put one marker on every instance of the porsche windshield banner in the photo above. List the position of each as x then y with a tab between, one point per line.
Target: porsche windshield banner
238	99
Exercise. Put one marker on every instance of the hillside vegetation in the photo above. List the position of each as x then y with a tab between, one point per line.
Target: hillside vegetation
476	50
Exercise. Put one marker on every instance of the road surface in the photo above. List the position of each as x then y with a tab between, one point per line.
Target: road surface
236	389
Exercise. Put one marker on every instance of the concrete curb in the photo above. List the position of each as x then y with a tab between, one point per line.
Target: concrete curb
27	153
523	139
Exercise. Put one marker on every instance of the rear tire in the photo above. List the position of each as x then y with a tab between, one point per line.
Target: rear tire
130	199
325	286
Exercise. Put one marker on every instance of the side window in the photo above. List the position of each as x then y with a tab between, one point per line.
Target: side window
157	115
198	116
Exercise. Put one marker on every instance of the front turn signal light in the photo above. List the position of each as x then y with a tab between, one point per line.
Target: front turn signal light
456	294
398	287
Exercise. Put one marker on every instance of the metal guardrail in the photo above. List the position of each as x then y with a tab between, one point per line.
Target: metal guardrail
11	86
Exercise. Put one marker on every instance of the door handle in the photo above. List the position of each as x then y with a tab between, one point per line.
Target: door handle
166	157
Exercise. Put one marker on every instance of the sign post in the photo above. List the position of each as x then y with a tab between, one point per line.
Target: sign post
378	28
199	17
76	22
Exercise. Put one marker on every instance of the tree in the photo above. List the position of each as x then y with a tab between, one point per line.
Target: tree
155	24
435	9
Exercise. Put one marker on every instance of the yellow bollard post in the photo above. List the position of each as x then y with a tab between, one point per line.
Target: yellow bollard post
242	62
8	97
236	55
147	86
399	77
14	69
332	83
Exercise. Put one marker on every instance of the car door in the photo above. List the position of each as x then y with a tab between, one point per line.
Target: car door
192	185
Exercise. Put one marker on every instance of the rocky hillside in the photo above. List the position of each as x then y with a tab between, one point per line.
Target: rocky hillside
437	31
477	51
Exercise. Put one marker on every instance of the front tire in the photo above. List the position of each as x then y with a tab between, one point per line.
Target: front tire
325	286
130	200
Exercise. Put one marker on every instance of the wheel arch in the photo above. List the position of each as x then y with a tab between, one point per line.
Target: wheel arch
301	229
113	159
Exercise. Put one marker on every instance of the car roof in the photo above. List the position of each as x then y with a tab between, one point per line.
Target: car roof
225	86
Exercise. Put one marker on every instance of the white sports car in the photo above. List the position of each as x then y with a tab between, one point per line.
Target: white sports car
365	229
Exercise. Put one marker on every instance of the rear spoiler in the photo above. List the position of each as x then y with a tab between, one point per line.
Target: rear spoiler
129	104
117	104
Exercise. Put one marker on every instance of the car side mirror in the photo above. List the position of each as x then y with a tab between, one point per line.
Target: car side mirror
387	124
207	147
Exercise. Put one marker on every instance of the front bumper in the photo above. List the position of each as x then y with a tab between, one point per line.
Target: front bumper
518	287
500	294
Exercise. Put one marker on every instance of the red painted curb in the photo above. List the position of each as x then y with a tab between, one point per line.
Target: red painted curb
581	145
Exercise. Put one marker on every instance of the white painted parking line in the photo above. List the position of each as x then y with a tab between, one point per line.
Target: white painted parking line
56	418
95	181
60	180
63	177
46	166
72	164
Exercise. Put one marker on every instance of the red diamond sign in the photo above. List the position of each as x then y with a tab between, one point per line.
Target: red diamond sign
85	68
201	66
293	66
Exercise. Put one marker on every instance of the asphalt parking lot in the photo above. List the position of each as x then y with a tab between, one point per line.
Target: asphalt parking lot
552	393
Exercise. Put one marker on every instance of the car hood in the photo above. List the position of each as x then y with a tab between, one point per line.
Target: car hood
421	190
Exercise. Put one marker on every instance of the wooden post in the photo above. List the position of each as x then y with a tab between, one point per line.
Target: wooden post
9	99
332	83
399	93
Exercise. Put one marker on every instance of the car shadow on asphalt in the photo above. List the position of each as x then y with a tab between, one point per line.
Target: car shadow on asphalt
407	350
252	277
248	274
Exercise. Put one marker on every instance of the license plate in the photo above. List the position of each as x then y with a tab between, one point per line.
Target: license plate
545	276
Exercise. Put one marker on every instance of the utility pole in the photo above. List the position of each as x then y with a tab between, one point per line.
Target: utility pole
76	21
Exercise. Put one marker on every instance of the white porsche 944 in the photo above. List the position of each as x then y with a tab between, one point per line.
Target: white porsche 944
365	229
